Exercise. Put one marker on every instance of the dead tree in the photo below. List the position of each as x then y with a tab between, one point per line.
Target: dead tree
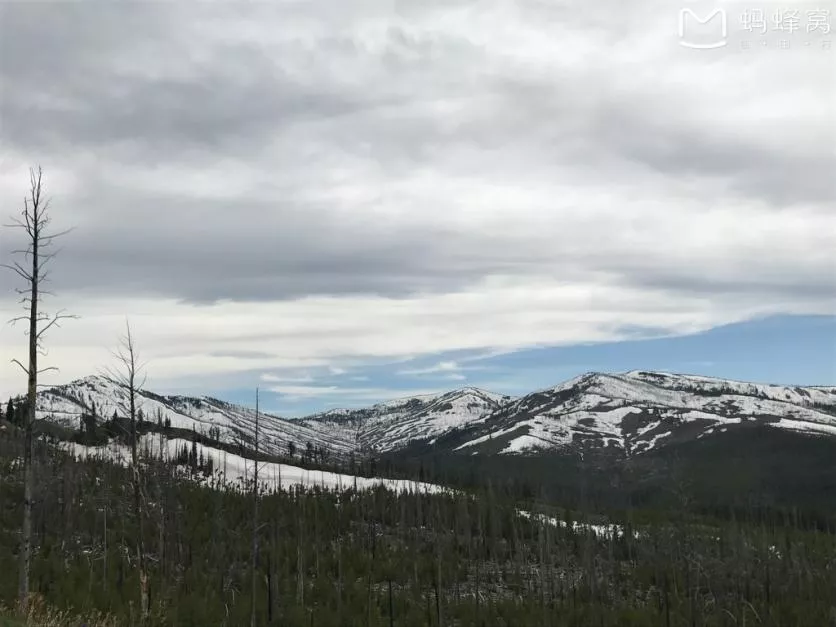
129	375
255	515
34	221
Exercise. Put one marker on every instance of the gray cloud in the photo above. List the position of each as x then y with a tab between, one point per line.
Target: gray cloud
242	354
328	122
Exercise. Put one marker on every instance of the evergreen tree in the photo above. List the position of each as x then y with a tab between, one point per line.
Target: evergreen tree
88	421
21	411
193	456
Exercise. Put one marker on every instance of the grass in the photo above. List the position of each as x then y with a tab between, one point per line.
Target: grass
40	615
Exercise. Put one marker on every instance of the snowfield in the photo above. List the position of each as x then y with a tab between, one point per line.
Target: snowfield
236	471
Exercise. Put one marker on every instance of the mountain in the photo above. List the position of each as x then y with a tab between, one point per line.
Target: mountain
385	426
629	414
233	424
638	411
395	424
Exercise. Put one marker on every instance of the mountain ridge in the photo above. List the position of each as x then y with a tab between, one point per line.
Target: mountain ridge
629	412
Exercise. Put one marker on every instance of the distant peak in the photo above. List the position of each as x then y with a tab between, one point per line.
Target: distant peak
650	373
471	390
661	374
90	378
575	381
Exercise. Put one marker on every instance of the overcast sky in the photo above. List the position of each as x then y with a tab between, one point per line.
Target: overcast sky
276	192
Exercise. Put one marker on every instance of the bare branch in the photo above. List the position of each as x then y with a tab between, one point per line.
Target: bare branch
48	238
56	322
16	224
22	367
16	267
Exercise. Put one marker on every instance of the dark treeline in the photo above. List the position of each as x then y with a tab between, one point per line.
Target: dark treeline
380	558
759	472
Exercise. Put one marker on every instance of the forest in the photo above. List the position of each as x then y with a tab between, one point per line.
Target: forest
484	556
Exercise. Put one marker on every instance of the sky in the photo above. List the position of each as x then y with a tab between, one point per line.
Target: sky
341	203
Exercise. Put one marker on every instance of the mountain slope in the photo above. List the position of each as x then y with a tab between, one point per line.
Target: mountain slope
394	424
637	411
627	414
231	423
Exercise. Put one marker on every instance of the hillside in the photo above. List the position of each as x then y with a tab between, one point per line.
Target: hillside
572	502
230	423
411	558
395	424
629	414
638	411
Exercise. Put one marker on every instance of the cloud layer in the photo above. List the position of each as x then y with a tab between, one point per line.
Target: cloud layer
267	185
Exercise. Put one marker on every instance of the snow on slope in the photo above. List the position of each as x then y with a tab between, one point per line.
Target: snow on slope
234	471
436	417
790	394
394	424
632	412
637	411
383	427
602	531
234	423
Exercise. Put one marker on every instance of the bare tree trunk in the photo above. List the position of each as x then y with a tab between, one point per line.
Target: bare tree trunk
35	223
438	594
391	606
300	575
138	513
104	556
163	466
28	474
128	357
438	571
255	517
339	577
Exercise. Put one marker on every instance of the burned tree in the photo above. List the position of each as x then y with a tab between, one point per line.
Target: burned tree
35	222
128	374
254	563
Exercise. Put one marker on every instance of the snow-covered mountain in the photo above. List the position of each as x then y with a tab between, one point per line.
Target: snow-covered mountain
230	423
637	411
394	424
632	412
382	427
